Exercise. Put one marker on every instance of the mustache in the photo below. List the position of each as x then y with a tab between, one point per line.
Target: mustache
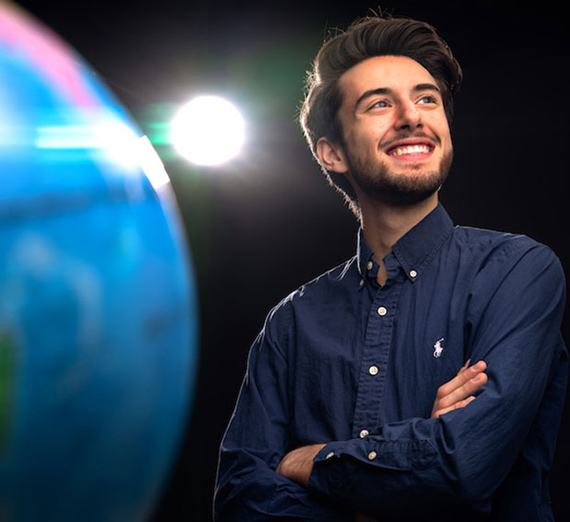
407	135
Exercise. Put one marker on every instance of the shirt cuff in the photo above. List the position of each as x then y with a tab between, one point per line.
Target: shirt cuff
325	478
332	470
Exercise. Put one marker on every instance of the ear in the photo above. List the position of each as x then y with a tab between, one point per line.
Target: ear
331	155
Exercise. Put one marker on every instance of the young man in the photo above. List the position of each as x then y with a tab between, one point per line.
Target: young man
353	407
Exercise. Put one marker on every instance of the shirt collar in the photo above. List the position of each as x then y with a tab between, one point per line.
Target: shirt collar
415	249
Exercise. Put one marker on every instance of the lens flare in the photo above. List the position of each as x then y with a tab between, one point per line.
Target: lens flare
208	131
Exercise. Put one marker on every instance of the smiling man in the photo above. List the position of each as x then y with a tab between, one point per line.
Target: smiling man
361	401
404	120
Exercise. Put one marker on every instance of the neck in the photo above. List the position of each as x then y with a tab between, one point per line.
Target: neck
383	225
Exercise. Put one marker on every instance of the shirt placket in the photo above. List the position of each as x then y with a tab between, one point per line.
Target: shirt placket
375	359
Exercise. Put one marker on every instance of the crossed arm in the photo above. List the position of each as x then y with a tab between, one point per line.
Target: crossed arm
437	459
457	393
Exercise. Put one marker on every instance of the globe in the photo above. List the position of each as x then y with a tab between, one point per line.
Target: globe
98	314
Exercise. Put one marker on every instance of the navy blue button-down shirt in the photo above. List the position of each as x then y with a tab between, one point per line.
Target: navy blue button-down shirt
356	365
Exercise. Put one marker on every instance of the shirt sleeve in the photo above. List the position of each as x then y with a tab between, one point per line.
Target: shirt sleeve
420	466
248	489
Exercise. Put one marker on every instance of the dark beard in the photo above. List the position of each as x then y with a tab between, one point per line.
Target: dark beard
397	190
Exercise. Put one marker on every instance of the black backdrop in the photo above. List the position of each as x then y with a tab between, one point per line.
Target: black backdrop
267	223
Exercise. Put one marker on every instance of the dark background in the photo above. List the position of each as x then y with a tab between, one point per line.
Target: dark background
267	223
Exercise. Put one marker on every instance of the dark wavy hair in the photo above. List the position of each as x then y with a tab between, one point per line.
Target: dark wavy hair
368	37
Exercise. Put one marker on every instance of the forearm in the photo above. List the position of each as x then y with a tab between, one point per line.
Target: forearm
401	472
254	492
375	475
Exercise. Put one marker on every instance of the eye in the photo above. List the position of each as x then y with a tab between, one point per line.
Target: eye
428	98
380	104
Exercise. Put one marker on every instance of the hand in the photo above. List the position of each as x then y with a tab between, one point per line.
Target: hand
298	464
457	393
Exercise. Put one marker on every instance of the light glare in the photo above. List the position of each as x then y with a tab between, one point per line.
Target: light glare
208	131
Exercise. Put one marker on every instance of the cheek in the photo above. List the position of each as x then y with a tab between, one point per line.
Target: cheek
442	125
365	136
448	141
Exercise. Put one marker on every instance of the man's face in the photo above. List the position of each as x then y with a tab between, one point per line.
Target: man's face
396	140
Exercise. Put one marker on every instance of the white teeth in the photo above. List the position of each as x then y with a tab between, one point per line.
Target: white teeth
412	149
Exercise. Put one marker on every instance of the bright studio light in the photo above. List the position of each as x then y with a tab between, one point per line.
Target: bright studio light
208	131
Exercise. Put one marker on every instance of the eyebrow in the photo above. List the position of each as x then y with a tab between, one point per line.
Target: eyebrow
389	91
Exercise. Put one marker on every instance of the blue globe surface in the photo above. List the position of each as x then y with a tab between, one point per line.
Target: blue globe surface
98	319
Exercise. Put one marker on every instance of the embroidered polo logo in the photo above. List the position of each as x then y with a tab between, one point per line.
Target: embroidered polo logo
438	348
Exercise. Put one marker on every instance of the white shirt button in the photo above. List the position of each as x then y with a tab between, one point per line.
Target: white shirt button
382	311
373	370
361	282
413	273
363	433
372	455
329	455
369	265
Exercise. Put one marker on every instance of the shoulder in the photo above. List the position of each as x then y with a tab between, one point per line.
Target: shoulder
492	248
514	267
484	239
301	304
319	289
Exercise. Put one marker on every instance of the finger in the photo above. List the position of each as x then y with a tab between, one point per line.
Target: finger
464	375
464	391
456	406
464	367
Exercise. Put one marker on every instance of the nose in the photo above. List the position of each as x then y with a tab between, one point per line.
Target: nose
408	116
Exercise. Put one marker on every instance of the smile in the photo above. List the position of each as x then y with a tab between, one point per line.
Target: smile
410	150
